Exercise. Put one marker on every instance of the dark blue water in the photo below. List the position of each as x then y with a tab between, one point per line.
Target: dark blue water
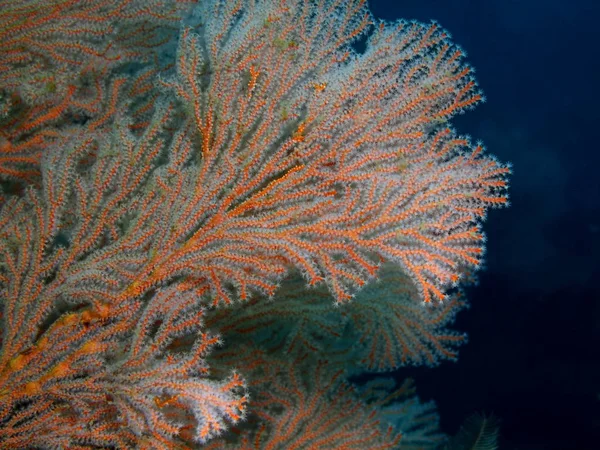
533	357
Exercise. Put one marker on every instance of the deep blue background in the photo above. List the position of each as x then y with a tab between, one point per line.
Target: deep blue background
533	358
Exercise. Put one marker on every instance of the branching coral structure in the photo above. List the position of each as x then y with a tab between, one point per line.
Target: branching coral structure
200	252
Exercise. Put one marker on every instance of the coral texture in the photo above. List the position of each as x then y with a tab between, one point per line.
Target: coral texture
177	224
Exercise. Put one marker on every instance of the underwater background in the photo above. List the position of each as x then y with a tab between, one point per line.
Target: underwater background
533	354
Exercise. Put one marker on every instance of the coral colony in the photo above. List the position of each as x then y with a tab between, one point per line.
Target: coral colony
214	214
